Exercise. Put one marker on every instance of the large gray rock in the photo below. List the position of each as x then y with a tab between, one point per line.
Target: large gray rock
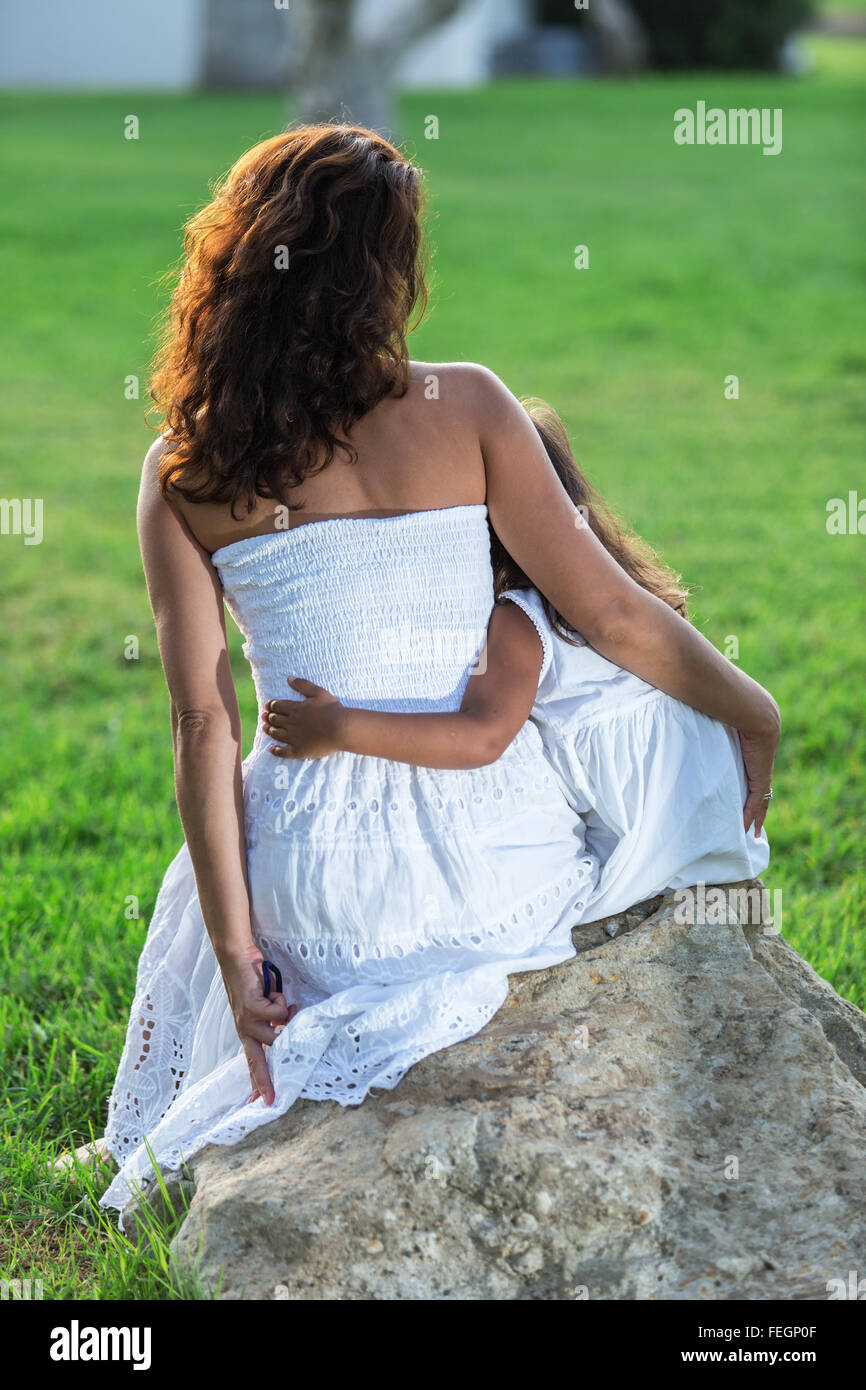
678	1113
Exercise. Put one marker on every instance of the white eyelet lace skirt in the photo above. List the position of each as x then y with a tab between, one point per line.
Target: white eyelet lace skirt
396	902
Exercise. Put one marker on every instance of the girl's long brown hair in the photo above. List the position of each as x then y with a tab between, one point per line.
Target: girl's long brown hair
636	557
289	321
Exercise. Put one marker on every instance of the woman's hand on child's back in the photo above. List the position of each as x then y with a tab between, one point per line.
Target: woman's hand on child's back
308	728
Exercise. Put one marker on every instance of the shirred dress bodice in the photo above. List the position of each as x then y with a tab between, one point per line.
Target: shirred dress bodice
387	613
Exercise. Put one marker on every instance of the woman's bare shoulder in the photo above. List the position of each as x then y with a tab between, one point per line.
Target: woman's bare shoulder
150	466
155	507
469	383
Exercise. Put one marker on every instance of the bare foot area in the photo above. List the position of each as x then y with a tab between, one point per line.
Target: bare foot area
86	1156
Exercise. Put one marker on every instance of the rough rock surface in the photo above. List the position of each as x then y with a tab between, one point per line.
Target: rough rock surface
679	1113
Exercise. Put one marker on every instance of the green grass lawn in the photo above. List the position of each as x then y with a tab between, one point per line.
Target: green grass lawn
704	262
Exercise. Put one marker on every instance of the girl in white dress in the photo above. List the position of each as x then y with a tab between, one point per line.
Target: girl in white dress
660	787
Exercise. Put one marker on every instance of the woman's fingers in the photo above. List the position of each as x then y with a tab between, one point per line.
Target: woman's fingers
277	1010
262	1032
257	1036
756	808
755	812
260	1077
759	754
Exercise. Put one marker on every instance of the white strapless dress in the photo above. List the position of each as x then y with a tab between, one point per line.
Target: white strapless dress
396	900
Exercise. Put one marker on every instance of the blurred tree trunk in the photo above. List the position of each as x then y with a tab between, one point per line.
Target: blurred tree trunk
244	44
339	73
621	38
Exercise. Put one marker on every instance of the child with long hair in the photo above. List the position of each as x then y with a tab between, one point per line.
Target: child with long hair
660	786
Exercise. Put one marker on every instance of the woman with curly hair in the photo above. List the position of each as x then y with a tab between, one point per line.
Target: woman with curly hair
330	920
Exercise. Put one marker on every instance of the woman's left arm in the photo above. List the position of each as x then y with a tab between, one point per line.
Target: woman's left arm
187	602
546	535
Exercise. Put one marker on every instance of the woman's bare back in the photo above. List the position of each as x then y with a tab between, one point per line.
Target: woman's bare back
418	452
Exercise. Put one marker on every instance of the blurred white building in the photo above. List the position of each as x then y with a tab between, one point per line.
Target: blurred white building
182	44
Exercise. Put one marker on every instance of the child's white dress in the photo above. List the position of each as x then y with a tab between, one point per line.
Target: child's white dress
660	787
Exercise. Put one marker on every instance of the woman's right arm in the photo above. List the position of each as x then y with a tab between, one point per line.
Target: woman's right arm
539	526
186	597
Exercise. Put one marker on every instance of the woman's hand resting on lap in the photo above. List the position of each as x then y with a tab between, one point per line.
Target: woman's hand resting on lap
259	1019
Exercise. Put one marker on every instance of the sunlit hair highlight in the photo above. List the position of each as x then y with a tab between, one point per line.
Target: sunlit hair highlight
300	281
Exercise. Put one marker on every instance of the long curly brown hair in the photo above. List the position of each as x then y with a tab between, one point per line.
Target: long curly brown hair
636	557
298	284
